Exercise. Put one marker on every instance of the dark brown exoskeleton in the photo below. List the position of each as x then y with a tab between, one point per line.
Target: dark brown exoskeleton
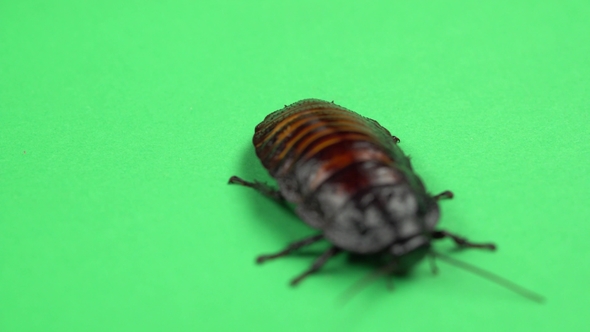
349	179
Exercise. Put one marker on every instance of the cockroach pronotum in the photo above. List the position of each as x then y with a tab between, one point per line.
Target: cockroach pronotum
349	179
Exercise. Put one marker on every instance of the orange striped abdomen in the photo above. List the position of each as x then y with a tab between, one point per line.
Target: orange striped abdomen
307	143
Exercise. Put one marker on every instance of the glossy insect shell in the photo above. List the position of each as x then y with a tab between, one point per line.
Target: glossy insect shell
348	178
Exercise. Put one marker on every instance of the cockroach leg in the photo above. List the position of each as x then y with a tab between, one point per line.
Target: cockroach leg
447	194
462	242
262	188
433	266
290	248
319	262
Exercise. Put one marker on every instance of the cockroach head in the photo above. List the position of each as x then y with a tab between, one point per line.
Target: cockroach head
404	255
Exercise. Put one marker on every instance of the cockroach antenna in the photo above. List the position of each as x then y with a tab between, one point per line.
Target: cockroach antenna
491	277
355	288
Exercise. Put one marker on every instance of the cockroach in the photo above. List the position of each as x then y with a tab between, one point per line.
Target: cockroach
348	178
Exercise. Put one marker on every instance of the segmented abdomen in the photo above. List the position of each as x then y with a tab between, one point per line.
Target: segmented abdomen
311	141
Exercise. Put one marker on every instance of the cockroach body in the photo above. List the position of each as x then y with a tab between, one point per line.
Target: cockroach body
349	179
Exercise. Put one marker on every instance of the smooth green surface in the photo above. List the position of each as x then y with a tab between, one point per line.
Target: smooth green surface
120	124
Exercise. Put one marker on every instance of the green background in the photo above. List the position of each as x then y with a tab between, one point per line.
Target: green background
121	122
